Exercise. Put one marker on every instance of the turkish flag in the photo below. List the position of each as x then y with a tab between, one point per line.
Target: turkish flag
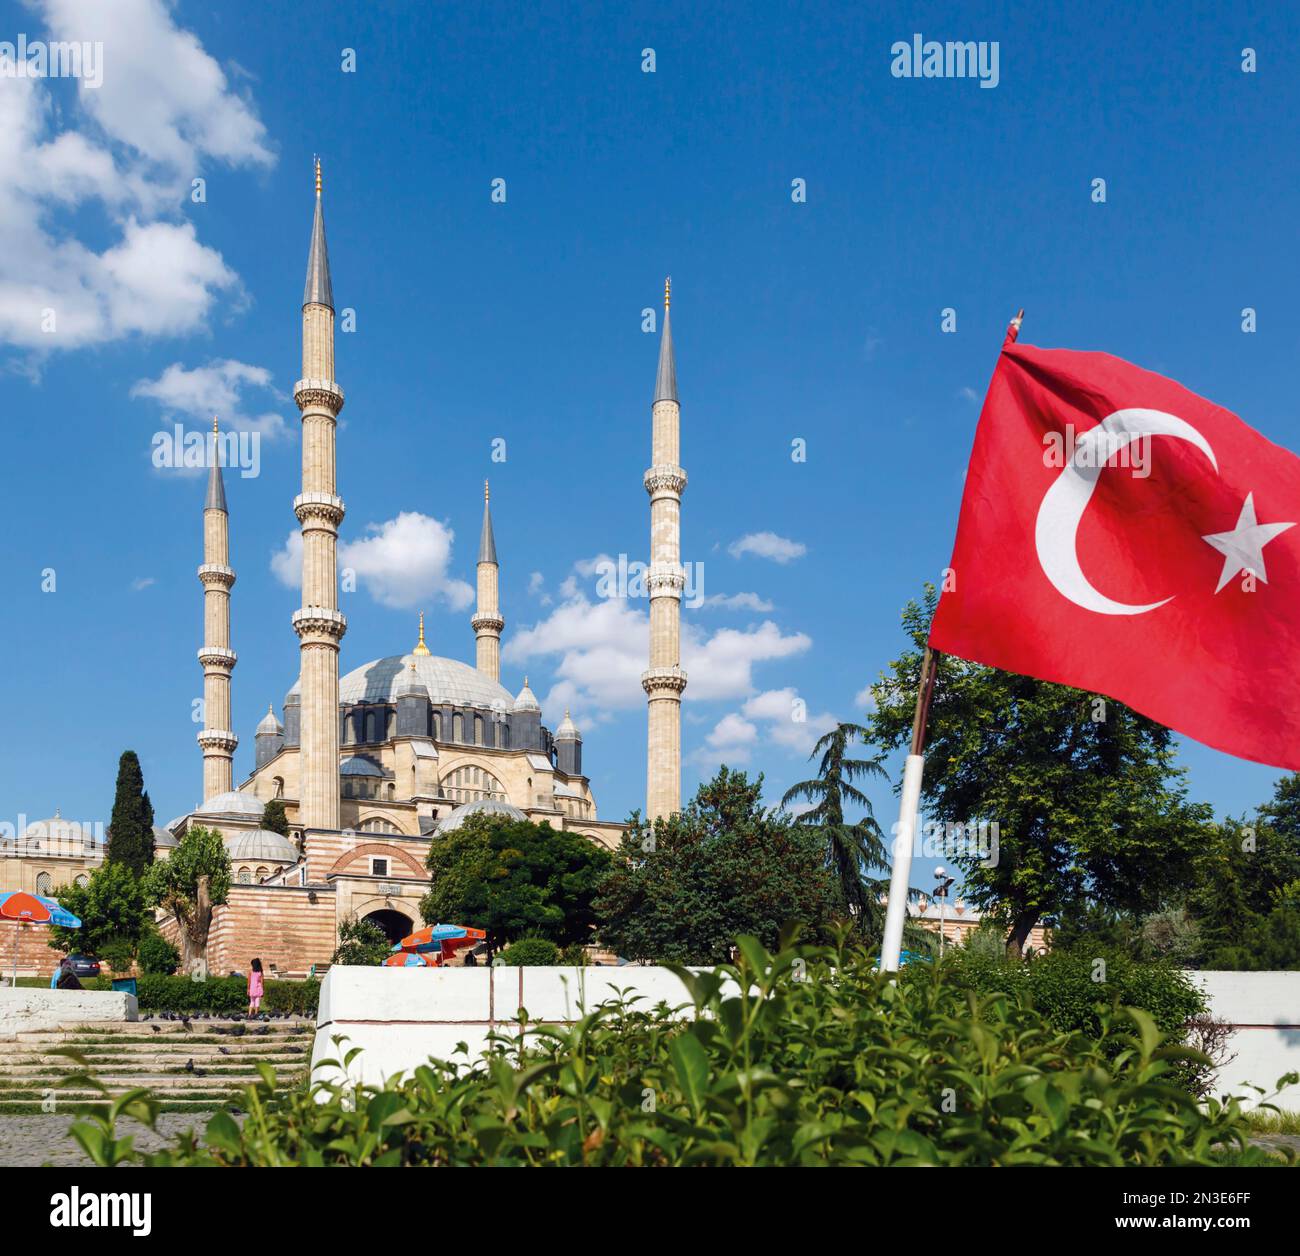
1123	535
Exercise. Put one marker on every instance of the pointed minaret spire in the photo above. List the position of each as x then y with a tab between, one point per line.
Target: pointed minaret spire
216	486
318	290
217	658
664	680
319	623
488	621
666	378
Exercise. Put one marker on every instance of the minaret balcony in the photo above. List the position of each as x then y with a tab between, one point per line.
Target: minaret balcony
318	394
665	580
487	623
319	621
218	657
216	574
663	680
321	506
218	740
665	480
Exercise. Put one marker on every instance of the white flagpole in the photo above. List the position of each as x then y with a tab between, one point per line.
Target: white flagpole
909	805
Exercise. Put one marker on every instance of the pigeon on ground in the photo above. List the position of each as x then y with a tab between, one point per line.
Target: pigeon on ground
224	1050
157	1029
189	1066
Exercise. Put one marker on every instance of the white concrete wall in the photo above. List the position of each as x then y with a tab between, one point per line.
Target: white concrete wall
1264	1010
24	1008
399	1017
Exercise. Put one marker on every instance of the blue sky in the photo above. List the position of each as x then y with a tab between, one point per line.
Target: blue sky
817	321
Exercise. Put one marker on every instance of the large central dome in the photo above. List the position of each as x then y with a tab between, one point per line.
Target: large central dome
448	681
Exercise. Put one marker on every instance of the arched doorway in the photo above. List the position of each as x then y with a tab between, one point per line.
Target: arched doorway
395	925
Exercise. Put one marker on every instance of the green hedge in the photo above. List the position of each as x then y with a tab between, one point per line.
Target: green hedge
531	953
158	993
822	1061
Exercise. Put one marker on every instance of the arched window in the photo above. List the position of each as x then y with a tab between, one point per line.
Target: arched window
437	725
83	880
261	874
245	877
470	783
43	883
478	730
379	824
458	727
279	786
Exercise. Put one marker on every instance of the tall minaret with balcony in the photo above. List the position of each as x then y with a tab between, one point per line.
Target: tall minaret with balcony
319	624
218	659
664	680
487	622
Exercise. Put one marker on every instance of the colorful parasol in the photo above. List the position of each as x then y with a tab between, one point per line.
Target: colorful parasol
33	909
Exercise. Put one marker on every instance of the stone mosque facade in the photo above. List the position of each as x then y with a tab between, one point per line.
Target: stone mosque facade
376	764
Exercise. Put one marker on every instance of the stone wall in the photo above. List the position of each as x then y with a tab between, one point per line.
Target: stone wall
35	957
1264	1011
25	1009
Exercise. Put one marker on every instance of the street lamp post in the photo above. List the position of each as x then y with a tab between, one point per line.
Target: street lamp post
944	884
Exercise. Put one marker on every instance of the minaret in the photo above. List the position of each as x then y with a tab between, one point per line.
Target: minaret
664	680
218	659
318	623
487	622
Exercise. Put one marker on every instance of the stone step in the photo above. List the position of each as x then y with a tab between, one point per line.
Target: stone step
145	1064
149	1081
282	1059
141	1035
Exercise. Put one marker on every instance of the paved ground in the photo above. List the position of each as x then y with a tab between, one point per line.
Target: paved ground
38	1140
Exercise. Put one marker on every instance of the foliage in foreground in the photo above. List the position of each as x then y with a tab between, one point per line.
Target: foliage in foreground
361	943
806	1057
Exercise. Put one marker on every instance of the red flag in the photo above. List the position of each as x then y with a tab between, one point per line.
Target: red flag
1123	535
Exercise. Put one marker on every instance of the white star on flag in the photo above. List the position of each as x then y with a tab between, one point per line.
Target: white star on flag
1243	547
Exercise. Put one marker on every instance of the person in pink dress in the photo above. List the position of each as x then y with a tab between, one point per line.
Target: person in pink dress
256	988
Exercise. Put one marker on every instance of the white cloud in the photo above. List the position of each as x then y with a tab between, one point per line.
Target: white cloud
402	563
115	163
601	648
779	549
736	602
773	718
864	699
142	582
217	388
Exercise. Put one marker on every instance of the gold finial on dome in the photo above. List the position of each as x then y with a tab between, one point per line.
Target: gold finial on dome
486	494
668	291
317	160
420	648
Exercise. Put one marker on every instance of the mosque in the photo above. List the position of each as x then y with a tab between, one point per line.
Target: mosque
375	765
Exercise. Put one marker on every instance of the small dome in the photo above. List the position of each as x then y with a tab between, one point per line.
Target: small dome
359	765
527	700
163	837
235	803
261	845
270	724
480	807
57	831
568	730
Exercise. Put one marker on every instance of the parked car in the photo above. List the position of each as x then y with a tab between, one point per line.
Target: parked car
84	966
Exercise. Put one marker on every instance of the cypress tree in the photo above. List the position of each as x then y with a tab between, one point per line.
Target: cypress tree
130	831
273	817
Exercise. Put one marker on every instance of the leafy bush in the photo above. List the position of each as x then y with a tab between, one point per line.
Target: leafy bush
118	954
361	943
157	955
808	1057
1073	988
531	953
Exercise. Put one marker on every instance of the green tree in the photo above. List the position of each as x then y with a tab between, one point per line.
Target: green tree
274	818
515	878
850	849
1089	804
362	943
189	885
130	830
112	906
684	888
